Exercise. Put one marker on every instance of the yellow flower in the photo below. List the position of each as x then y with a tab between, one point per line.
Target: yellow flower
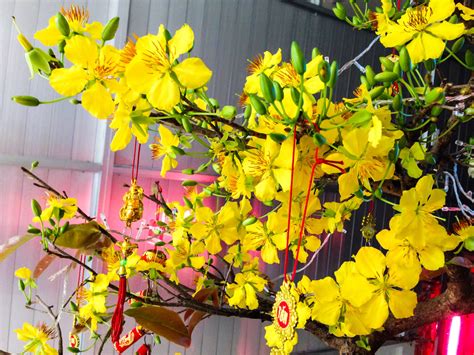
270	167
415	237
36	338
334	216
212	228
94	70
423	27
77	18
233	178
185	254
23	273
267	237
409	157
261	64
154	72
163	147
95	297
243	293
57	205
389	287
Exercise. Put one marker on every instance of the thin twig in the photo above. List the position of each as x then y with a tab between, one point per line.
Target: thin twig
56	323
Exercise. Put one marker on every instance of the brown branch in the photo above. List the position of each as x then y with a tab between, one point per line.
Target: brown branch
56	323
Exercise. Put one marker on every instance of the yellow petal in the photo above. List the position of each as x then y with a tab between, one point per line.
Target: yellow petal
167	137
357	290
94	29
192	73
441	9
49	36
97	101
182	42
423	189
466	13
375	132
327	312
396	36
81	51
23	273
431	257
436	200
326	289
402	276
447	31
348	184
375	312
139	77
68	81
425	46
121	139
370	262
164	94
402	303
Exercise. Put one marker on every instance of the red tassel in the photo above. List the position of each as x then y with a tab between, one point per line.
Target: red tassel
144	350
117	318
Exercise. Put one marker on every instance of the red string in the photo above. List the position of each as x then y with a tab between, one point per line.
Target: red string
117	318
285	267
136	158
133	160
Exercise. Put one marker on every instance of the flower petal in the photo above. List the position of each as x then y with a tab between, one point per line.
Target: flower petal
192	73
68	81
445	30
98	101
81	51
425	46
402	303
164	93
441	9
182	42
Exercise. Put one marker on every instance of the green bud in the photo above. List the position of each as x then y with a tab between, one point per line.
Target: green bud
278	91
364	81
405	61
73	350
249	221
376	92
36	208
297	58
188	171
356	21
386	77
315	52
21	285
268	203
267	88
323	71
454	19
429	65
214	103
340	13
110	29
138	304
332	74
73	306
202	167
458	45
38	61
62	24
26	100
387	64
369	74
186	124
167	34
228	112
397	102
187	202
469	58
258	105
34	165
434	95
436	110
247	112
396	69
177	150
189	183
295	95
33	230
74	101
277	137
319	139
64	228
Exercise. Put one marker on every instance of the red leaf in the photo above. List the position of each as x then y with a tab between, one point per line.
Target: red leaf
201	296
43	264
162	321
195	319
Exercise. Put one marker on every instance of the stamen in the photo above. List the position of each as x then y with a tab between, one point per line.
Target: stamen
76	13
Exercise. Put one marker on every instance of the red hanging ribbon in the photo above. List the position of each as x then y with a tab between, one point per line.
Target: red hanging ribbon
117	318
129	339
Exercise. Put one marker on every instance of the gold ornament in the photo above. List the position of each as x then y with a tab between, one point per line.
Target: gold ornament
368	227
132	209
284	313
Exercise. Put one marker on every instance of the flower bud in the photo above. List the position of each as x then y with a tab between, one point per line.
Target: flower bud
249	221
26	100
297	58
267	88
228	112
387	64
323	71
189	183
110	29
188	171
295	95
278	91
376	92
277	137
62	24
186	125
369	74
36	208
247	112
258	105
386	77
332	74
177	150
434	95
405	61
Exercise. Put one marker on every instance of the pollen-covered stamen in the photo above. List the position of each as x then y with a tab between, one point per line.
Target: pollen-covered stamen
157	150
48	331
287	76
462	224
127	54
156	58
255	65
76	15
418	18
243	99
256	164
105	70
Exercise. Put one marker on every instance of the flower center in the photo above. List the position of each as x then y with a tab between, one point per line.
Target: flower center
76	16
255	65
418	18
256	164
288	76
156	58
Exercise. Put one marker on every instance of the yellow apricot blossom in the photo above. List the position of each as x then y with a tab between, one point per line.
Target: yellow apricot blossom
37	339
164	148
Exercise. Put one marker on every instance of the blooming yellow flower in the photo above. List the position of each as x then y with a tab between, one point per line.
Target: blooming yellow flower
163	148
212	228
423	27
94	70
77	18
95	297
154	72
270	167
68	206
233	178
243	292
265	64
37	339
409	158
23	273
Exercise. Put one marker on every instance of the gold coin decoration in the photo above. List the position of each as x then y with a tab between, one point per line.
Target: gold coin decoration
284	313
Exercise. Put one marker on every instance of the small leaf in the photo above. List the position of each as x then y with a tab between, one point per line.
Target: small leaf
43	264
162	321
195	319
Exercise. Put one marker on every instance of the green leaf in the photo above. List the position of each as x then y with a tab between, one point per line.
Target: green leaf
163	322
469	243
79	236
360	118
